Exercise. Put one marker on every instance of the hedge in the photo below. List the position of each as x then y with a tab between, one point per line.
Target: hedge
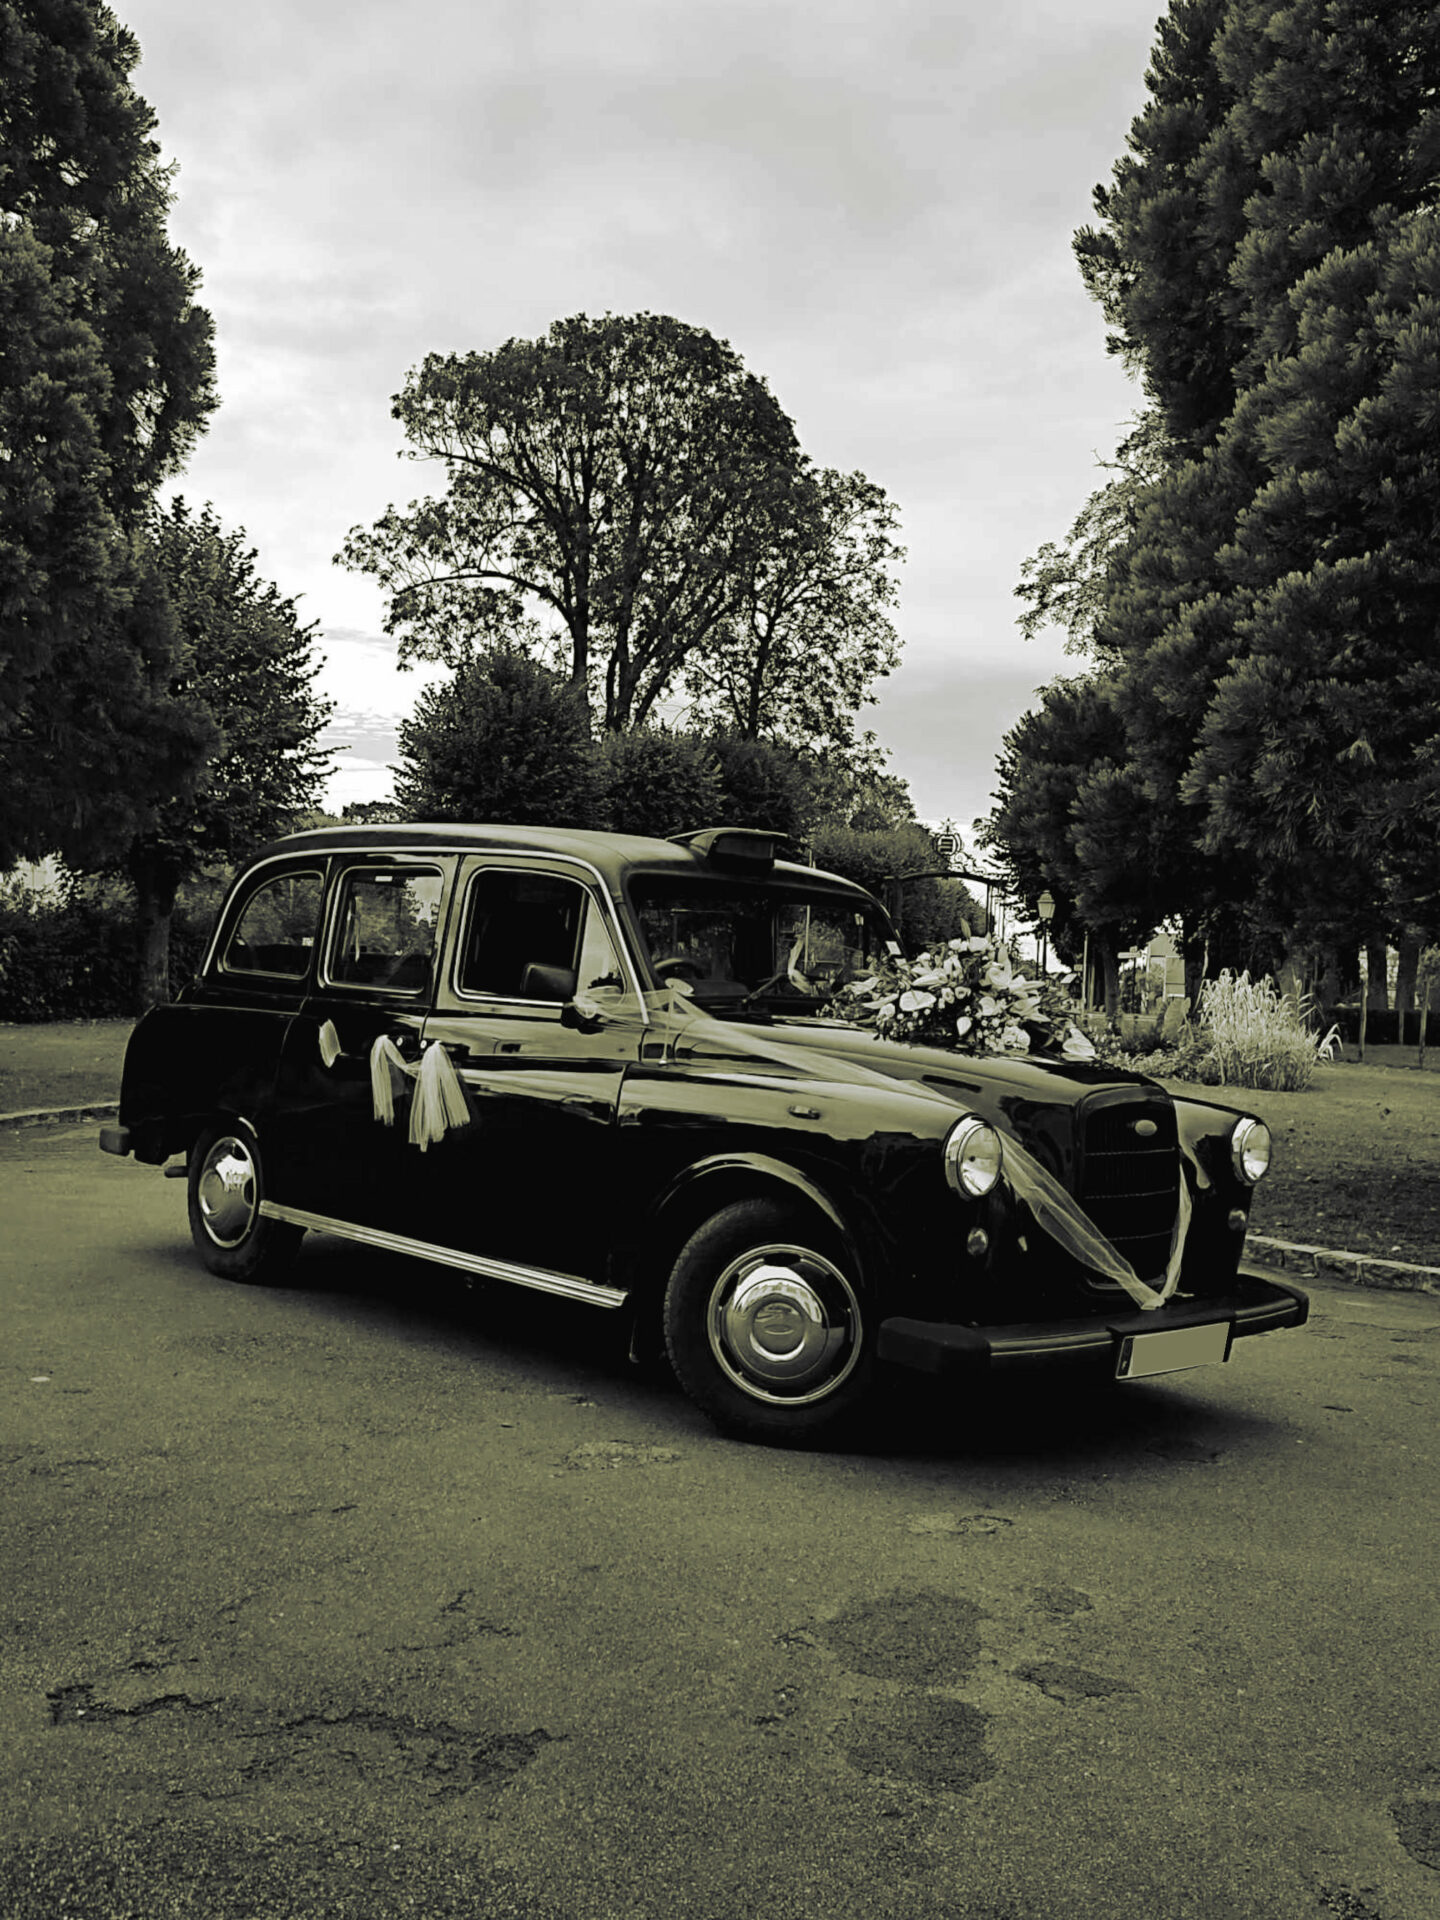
71	956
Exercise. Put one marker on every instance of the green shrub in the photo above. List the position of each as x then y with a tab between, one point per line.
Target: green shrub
659	782
1247	1034
69	954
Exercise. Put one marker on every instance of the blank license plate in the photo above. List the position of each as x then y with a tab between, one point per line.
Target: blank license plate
1172	1350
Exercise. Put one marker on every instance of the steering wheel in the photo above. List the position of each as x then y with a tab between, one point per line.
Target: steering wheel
681	963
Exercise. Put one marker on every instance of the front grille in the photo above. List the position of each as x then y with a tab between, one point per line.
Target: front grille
1129	1181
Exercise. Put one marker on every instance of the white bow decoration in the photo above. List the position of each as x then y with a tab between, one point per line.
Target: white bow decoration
439	1101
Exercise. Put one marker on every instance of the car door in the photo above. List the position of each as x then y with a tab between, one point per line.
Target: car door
336	1159
541	1014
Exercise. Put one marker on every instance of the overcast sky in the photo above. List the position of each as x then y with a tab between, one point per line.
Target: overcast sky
871	200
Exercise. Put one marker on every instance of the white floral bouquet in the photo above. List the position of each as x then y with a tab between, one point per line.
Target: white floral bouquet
969	996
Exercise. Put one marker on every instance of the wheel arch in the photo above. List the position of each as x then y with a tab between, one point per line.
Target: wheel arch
701	1190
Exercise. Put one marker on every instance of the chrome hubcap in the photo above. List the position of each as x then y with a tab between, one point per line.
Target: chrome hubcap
784	1325
226	1191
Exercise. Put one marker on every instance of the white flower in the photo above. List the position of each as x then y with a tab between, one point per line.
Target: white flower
1015	1040
1077	1045
988	1007
916	1002
963	1025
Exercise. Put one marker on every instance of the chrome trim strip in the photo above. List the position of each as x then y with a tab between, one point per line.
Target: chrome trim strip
568	1285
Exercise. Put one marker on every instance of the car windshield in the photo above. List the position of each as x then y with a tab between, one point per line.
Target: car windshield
731	942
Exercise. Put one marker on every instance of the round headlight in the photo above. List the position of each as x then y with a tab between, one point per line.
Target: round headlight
972	1157
1250	1150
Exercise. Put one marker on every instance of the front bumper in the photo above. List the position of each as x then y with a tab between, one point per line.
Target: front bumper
1093	1343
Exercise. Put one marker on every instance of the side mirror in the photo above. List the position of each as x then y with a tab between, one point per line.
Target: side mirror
585	1016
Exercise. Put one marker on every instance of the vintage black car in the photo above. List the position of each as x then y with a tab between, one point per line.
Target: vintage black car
607	1068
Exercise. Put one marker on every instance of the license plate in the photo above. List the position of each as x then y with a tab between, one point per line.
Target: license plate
1171	1350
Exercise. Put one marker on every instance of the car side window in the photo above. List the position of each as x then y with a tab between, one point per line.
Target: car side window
385	924
277	928
535	936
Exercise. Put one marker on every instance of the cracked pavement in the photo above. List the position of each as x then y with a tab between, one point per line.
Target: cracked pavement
372	1599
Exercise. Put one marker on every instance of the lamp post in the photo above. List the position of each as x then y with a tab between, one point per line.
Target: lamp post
1045	907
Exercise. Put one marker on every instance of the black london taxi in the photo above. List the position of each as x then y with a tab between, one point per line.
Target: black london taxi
609	1068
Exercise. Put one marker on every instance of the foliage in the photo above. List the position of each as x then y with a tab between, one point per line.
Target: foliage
1259	588
926	911
970	996
809	626
1247	1033
107	381
1066	584
504	740
243	665
660	783
1258	1036
765	784
614	478
71	955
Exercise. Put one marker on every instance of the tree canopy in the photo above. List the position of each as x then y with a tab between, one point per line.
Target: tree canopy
623	496
244	666
106	379
1265	602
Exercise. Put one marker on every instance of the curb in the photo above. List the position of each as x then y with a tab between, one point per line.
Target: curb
1359	1269
38	1116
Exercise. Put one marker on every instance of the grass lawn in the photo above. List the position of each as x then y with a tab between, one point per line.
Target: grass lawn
1357	1156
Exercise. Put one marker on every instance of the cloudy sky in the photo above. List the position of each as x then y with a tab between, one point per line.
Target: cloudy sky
871	200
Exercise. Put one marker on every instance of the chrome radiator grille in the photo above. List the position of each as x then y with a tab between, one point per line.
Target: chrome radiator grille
1129	1179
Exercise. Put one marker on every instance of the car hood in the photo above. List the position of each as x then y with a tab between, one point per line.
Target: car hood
1011	1089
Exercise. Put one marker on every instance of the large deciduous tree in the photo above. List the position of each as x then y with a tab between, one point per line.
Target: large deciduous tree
623	498
809	628
1268	613
106	379
504	739
244	667
611	479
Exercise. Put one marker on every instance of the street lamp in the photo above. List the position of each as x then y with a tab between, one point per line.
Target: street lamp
1045	907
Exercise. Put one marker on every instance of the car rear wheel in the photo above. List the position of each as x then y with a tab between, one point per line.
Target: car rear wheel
226	1187
763	1324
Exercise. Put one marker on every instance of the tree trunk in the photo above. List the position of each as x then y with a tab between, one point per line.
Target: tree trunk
1109	960
155	887
1409	949
1194	951
1377	967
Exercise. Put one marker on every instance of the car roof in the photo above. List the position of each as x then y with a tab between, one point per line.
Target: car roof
611	854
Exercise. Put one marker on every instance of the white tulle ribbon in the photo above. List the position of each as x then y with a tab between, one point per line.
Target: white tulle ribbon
330	1048
1055	1211
439	1101
1072	1229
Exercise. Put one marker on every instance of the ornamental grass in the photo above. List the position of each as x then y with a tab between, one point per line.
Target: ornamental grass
1259	1037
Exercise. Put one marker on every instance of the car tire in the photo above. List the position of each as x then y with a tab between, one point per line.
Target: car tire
226	1186
764	1326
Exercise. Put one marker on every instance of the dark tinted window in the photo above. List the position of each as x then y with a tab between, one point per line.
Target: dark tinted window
277	928
535	936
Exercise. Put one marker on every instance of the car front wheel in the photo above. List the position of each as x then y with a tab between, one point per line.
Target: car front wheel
763	1324
226	1187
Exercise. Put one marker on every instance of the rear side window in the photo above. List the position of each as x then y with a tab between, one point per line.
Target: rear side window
277	928
385	927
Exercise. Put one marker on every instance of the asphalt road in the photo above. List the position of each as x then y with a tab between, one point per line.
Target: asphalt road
368	1599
